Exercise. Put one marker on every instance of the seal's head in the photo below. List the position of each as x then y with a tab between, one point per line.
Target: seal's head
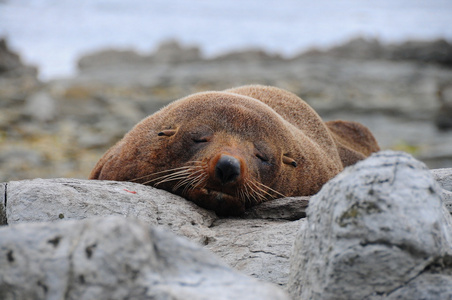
223	151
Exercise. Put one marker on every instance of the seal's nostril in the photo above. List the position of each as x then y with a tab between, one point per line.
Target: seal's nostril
227	169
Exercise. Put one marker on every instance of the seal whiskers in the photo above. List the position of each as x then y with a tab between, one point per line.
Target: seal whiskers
263	187
197	182
253	194
181	173
189	180
169	177
153	174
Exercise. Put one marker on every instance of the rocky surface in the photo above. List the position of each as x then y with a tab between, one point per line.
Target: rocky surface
379	230
115	258
62	127
258	244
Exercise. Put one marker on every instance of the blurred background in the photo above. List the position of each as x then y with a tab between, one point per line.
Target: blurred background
76	75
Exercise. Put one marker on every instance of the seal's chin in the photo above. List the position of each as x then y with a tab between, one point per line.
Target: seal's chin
220	196
222	203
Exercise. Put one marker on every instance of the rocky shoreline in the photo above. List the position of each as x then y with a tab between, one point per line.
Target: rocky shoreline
60	128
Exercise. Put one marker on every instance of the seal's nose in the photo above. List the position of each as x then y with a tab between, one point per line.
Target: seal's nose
227	169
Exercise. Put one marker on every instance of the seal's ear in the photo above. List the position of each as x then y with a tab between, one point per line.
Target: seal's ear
289	161
167	132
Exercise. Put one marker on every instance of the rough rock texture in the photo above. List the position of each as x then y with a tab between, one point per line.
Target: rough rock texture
54	199
259	248
258	245
444	178
379	230
114	258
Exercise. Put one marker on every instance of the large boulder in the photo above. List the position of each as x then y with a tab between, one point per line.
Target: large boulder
258	245
43	200
379	230
115	258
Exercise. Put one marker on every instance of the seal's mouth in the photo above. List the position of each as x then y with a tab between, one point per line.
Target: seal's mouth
217	195
222	203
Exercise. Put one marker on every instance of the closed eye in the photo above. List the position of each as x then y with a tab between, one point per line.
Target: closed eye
168	132
201	140
261	157
289	161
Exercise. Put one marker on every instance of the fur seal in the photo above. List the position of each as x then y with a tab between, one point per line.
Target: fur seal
229	150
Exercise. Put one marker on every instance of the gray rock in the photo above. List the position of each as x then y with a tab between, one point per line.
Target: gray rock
256	247
290	208
443	177
358	48
114	258
54	199
443	118
168	52
259	248
437	51
8	60
108	58
171	52
379	230
11	63
247	55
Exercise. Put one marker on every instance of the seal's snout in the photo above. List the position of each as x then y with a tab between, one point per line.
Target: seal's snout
227	169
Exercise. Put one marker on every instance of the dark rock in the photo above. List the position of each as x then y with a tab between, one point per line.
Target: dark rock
439	51
11	64
248	55
290	208
172	52
359	48
443	118
8	60
169	52
110	58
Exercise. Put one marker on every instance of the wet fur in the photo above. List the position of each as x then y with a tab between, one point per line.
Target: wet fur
284	148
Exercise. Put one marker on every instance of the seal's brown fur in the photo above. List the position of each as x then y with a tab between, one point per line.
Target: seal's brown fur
229	150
